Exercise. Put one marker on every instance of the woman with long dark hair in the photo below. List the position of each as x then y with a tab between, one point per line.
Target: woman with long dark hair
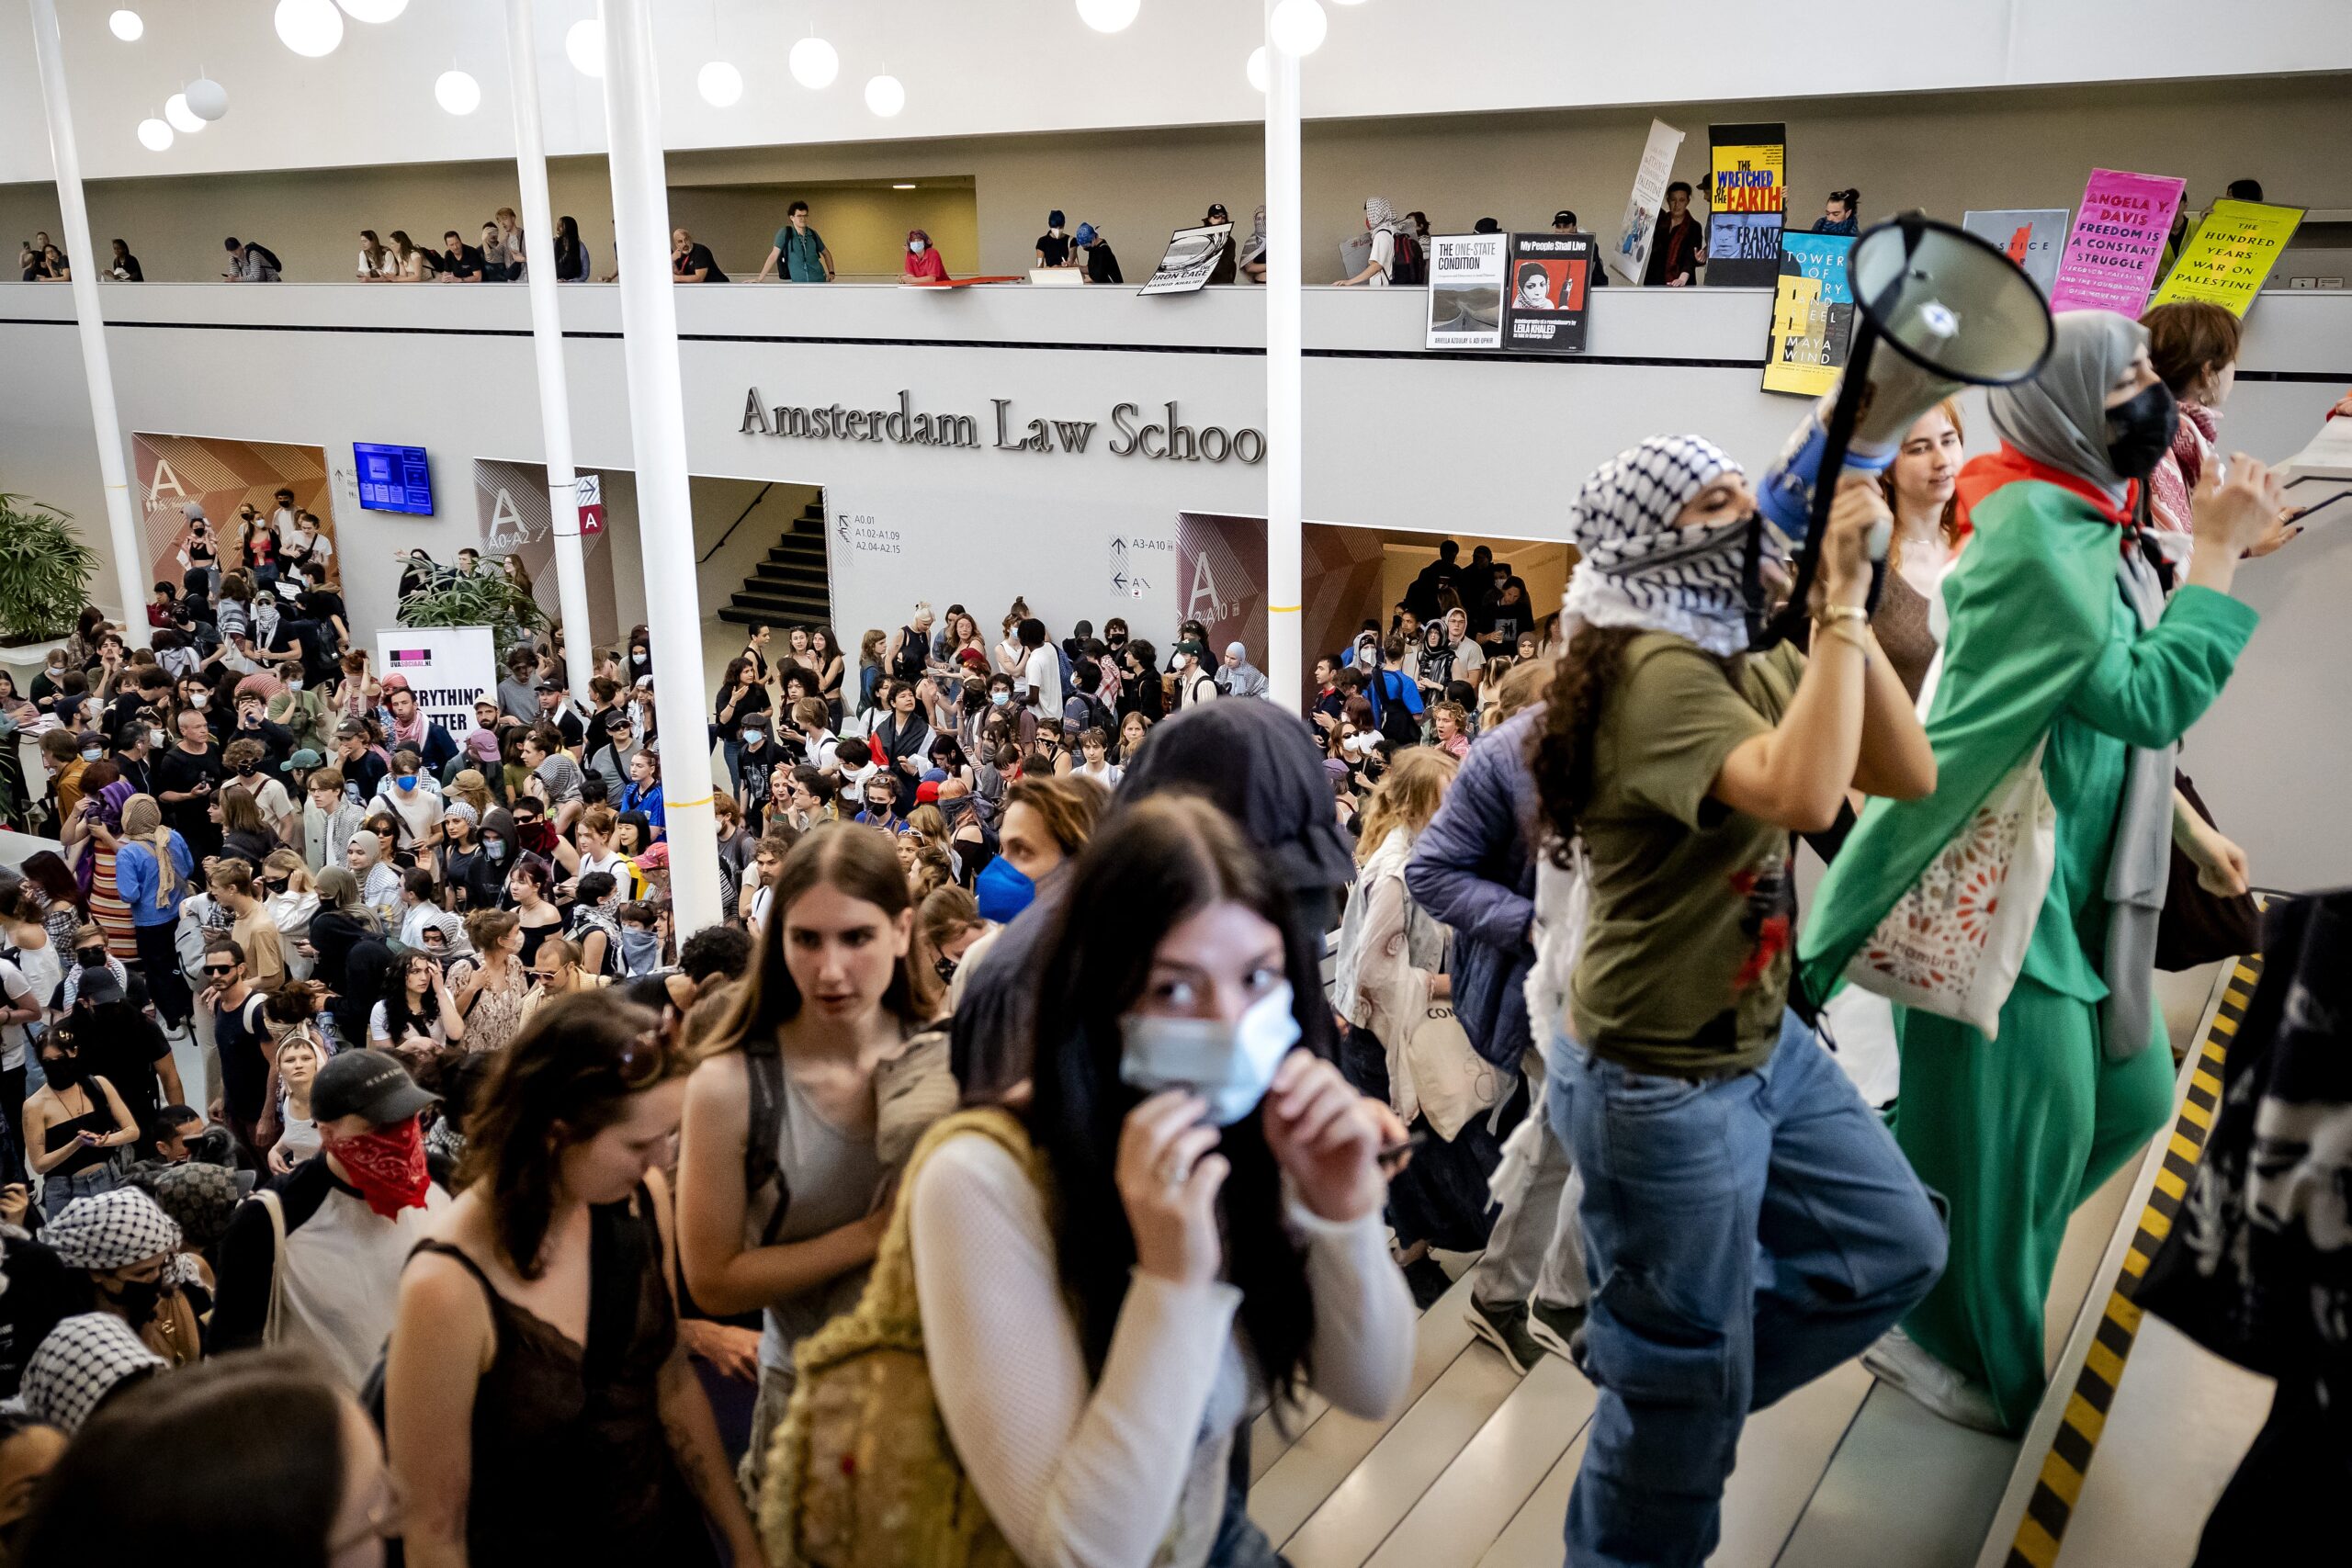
1213	1225
1748	1221
328	1500
781	1218
571	255
538	1401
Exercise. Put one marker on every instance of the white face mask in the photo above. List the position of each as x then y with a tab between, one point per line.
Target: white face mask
915	247
1231	1066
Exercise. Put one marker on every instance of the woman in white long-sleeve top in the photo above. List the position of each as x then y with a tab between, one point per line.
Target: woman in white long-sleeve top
1213	1239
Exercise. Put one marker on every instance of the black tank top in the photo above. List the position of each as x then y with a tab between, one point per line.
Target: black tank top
570	1465
98	1118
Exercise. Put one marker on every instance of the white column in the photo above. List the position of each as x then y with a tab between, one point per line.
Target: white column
657	425
1285	484
122	525
547	344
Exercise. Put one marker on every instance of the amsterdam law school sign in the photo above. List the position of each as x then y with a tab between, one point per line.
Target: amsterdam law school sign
1166	438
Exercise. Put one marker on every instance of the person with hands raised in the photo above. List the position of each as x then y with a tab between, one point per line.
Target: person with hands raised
2063	637
1213	1224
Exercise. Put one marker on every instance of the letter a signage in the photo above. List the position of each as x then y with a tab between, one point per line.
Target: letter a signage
590	488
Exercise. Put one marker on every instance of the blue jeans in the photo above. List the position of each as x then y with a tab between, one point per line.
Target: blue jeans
1745	1235
56	1191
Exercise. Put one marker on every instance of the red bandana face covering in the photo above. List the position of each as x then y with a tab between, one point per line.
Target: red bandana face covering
387	1166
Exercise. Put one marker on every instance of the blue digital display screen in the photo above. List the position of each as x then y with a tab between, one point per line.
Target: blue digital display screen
393	479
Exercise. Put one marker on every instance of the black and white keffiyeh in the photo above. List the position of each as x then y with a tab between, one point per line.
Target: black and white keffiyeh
81	1363
1641	571
111	1230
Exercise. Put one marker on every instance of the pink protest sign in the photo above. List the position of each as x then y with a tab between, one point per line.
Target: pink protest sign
2119	238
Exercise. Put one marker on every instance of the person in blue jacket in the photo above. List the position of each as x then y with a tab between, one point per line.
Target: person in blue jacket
1474	869
152	867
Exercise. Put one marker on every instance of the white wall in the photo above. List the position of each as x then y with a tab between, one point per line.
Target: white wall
1031	65
1394	438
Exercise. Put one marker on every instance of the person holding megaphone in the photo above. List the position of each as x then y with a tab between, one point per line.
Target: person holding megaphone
1750	1222
2063	644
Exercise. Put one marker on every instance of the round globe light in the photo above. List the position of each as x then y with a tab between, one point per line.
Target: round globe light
372	10
1298	28
720	83
584	44
457	91
1108	16
208	99
183	117
815	63
886	96
125	25
155	135
1257	68
310	27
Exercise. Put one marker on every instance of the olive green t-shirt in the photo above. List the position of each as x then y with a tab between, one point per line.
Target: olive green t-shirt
1685	965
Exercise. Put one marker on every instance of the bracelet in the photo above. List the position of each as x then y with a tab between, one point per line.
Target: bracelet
1833	615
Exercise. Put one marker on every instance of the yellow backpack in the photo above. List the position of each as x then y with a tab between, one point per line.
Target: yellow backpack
860	1472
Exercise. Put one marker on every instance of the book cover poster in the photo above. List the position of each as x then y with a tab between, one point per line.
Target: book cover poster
2111	259
1465	292
1192	256
2228	259
2032	237
1547	283
1743	249
1812	315
1628	251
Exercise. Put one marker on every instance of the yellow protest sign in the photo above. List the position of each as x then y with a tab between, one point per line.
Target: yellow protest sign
2232	252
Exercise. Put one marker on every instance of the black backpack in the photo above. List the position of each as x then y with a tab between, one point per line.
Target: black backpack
268	256
1397	709
1407	266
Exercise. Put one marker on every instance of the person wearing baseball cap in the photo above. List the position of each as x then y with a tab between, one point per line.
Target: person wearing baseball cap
350	1213
1565	223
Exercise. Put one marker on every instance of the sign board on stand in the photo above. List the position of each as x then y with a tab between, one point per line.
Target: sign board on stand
448	668
2226	262
1629	254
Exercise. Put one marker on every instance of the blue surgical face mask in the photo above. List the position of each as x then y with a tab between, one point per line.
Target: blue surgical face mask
406	780
1230	1065
495	848
999	699
1002	890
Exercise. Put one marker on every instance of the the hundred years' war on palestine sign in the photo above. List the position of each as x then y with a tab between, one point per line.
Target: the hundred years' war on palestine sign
1166	437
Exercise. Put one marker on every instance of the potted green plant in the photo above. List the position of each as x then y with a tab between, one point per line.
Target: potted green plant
480	599
45	571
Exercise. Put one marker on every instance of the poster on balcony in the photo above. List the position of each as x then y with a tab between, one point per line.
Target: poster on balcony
516	515
448	668
1629	249
283	485
2030	236
2226	262
2111	259
1747	199
1465	292
1192	255
1221	580
1812	315
1550	277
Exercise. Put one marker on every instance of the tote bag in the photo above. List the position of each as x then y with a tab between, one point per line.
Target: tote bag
1954	943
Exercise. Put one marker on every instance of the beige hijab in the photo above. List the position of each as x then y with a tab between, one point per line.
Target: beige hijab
143	819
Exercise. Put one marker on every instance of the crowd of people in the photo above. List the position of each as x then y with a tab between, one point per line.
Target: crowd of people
1004	1150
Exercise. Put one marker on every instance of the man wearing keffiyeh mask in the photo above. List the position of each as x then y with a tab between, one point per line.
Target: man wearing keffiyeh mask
1749	1221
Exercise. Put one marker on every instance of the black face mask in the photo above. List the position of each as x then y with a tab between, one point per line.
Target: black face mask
137	1299
62	1072
2139	432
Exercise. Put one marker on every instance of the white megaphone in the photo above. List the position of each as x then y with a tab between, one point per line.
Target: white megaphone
1956	312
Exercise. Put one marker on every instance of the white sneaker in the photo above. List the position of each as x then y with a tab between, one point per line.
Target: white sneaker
1898	1361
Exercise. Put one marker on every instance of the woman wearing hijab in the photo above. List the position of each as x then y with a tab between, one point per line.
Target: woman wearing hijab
2060	630
379	880
1748	1221
1240	678
152	867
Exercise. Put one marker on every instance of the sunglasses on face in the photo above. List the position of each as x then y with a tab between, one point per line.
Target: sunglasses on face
220	971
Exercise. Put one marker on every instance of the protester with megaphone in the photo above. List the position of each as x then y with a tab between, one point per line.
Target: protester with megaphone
2060	643
1749	1222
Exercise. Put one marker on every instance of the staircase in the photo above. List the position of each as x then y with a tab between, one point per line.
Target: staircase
790	588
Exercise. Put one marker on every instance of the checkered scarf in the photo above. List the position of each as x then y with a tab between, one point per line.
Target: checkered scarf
78	1365
1639	569
111	1230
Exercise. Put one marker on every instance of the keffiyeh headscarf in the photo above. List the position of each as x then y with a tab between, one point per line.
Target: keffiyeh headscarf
111	1230
1641	571
1380	214
1254	248
84	1359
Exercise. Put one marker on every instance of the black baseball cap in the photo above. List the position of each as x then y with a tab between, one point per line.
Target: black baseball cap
367	1083
1563	219
549	686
